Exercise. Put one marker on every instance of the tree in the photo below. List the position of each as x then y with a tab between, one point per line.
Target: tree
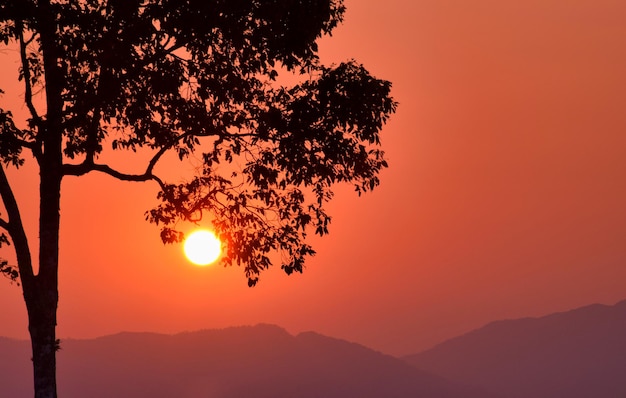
194	77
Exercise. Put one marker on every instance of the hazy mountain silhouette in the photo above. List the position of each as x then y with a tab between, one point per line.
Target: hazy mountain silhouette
15	368
575	354
260	361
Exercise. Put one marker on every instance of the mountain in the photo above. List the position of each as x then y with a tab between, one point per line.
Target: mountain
261	361
15	368
575	354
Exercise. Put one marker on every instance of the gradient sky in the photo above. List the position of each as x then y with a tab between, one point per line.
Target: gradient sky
505	195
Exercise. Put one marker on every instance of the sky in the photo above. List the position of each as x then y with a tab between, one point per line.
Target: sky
504	197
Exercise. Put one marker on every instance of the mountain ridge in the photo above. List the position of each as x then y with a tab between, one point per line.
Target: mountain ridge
262	361
575	354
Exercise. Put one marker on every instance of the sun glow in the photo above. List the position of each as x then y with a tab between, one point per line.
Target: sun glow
202	247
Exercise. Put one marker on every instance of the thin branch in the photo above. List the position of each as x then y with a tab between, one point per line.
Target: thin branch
87	167
28	95
32	37
4	224
15	228
156	158
92	133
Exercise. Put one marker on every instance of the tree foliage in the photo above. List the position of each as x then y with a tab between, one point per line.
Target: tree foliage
235	84
203	79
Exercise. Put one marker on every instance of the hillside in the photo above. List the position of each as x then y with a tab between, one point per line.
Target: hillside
575	354
260	361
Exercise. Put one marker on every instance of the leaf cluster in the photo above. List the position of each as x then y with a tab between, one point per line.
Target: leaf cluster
7	270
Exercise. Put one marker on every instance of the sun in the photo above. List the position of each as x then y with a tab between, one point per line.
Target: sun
202	247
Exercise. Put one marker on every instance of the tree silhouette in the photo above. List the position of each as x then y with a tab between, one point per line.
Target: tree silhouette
194	77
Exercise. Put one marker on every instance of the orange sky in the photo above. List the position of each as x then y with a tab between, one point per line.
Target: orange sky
504	197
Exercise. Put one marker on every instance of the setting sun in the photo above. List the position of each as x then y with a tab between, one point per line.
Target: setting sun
202	247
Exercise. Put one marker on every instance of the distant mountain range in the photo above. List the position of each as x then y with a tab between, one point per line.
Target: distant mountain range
260	361
575	354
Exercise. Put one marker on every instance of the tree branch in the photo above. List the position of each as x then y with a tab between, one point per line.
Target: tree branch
87	167
4	224
28	95
156	158
15	228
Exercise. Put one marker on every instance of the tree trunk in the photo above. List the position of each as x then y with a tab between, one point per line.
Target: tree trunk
42	324
42	299
42	296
